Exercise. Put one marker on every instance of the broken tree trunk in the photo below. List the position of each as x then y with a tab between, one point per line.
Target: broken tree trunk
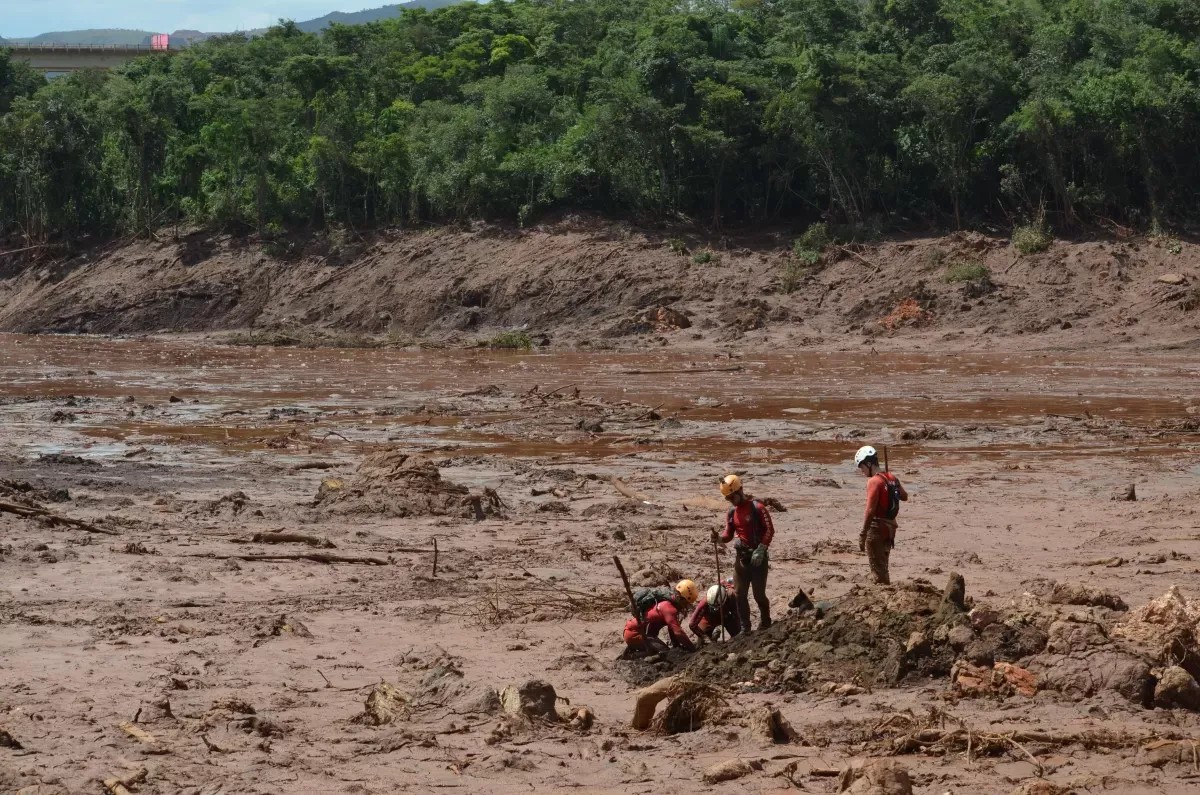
648	699
316	557
53	518
289	538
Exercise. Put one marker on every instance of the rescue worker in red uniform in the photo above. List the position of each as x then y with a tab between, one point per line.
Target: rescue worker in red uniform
884	494
667	613
750	523
716	611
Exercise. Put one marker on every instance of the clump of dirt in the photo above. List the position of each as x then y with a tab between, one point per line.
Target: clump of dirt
394	483
867	636
1058	593
695	707
1161	620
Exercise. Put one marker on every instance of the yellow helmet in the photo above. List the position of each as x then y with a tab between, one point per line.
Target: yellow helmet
730	484
689	591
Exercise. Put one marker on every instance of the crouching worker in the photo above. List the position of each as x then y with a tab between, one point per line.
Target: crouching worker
668	606
748	520
716	612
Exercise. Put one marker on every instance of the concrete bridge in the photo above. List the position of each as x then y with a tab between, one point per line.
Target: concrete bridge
54	59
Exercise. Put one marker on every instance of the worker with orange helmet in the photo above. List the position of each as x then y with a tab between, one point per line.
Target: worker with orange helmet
748	524
666	613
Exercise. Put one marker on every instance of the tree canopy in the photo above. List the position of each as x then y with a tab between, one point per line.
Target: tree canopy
862	112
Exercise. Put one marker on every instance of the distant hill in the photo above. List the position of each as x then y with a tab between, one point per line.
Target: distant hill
369	15
93	36
134	37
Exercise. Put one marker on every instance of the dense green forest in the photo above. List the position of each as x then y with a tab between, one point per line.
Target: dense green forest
880	114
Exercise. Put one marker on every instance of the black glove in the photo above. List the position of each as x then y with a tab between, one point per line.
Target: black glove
759	556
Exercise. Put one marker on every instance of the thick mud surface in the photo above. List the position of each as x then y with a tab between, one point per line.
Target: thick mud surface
218	573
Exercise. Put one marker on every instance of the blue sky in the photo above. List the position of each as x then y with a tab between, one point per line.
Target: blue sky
20	18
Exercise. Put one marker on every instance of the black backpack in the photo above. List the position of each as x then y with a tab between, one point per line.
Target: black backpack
645	599
893	492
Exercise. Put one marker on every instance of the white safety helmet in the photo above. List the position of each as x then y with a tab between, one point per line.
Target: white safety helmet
863	454
715	595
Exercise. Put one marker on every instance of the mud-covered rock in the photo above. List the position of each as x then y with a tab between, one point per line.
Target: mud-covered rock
1089	673
875	777
1068	637
730	770
384	704
769	726
1177	688
532	699
1076	594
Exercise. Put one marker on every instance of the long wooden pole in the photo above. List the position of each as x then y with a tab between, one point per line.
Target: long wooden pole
632	603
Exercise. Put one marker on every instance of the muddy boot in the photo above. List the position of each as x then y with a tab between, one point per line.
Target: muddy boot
764	619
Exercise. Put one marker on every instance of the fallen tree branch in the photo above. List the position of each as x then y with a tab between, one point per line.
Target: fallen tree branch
313	465
291	538
316	557
859	257
737	368
53	518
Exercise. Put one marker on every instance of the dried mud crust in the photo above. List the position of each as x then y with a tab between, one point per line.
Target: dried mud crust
400	484
587	279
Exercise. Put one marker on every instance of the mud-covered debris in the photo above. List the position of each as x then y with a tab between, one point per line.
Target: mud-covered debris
1042	787
647	699
955	592
730	770
284	625
62	416
1105	668
1161	620
589	426
875	777
1160	753
1177	688
862	637
999	680
234	502
657	573
137	548
580	719
383	705
696	706
554	506
8	741
394	483
233	704
1075	594
769	725
825	483
532	699
1175	279
65	459
924	433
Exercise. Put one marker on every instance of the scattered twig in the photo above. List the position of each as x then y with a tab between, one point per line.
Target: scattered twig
435	557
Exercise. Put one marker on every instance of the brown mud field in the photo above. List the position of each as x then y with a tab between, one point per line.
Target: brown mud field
235	569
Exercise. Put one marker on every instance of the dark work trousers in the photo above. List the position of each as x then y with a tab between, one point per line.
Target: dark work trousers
746	577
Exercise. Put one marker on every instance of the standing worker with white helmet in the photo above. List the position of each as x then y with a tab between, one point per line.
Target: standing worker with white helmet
884	495
748	520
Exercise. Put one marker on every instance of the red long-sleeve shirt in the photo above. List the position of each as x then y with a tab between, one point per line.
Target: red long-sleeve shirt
665	614
726	615
740	521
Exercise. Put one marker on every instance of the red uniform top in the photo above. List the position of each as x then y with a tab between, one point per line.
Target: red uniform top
740	521
665	614
877	497
715	617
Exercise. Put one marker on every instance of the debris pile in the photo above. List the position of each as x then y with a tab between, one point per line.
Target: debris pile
393	483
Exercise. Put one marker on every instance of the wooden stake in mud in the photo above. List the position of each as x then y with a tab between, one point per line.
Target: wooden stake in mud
435	556
721	607
885	464
632	603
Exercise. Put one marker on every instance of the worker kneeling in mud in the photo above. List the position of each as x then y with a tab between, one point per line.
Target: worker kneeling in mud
748	520
716	613
884	495
661	608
